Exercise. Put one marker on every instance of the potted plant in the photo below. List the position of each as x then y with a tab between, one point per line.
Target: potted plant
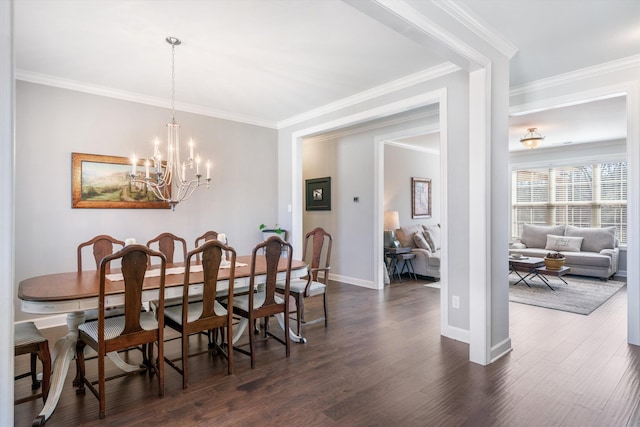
554	261
275	231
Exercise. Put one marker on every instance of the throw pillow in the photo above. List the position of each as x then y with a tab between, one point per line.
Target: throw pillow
405	235
595	239
563	243
432	234
420	242
535	236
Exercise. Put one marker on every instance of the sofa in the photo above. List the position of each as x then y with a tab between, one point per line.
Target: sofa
588	251
424	242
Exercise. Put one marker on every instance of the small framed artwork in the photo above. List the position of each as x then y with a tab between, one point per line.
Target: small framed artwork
318	194
104	182
420	197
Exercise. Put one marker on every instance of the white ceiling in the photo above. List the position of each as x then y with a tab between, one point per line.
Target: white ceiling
266	61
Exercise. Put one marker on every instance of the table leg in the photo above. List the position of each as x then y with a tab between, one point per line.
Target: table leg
522	279
242	325
63	353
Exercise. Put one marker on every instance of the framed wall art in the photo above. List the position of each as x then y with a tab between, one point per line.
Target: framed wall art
318	194
104	182
420	197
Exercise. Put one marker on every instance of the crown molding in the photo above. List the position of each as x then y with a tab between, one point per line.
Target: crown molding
478	26
93	89
373	125
573	76
387	88
471	57
411	147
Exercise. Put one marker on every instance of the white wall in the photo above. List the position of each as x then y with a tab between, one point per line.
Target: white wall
51	123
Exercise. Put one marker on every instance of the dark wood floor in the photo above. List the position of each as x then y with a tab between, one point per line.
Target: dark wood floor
383	362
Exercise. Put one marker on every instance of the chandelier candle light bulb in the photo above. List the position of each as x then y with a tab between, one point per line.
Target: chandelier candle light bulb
170	183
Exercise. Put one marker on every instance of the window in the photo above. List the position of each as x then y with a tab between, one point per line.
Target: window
583	196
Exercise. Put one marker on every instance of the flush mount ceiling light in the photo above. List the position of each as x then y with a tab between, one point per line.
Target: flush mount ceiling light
532	138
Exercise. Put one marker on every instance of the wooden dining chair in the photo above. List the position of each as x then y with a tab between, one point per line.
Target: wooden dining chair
166	243
134	328
29	340
208	235
312	285
102	245
208	314
261	301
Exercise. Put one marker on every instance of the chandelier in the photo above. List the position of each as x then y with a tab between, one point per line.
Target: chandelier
532	138
167	179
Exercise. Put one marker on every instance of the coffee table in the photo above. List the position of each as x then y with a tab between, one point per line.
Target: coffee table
525	265
534	267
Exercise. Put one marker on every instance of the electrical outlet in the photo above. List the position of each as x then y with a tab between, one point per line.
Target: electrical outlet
455	301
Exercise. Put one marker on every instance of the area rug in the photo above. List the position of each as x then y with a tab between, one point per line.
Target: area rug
581	296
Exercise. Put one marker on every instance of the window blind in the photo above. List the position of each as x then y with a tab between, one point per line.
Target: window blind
584	196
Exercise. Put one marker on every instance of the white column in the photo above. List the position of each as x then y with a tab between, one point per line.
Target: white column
7	288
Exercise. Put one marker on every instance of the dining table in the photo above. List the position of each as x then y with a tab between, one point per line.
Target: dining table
73	293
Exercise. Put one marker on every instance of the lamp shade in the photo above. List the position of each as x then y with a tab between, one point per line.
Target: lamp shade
391	220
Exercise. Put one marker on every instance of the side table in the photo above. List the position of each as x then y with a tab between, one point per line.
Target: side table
394	255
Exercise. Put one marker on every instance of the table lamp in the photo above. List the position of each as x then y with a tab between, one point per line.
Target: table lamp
391	223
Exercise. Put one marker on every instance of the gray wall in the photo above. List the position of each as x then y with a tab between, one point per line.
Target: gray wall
52	123
400	165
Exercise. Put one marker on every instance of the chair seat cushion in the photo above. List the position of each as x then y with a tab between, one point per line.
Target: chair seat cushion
195	311
242	301
27	333
113	326
299	285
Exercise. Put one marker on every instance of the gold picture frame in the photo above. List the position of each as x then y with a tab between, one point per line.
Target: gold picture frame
104	182
420	197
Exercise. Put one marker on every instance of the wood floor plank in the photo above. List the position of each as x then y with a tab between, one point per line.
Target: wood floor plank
383	362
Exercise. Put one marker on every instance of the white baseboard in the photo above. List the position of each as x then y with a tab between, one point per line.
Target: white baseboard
457	334
500	349
353	281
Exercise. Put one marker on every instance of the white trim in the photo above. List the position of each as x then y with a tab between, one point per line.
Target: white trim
406	146
501	349
480	222
633	213
572	76
7	210
564	101
376	125
478	26
378	91
457	334
411	16
353	281
108	92
608	151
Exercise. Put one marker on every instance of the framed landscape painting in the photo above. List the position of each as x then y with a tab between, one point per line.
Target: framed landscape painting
104	182
420	197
